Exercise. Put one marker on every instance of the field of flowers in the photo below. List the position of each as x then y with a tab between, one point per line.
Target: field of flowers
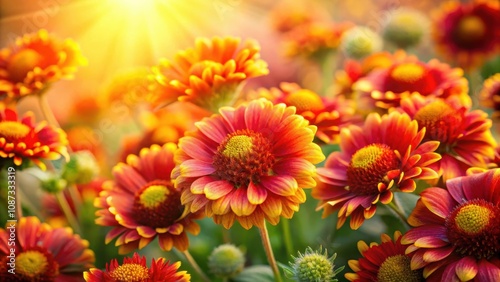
250	140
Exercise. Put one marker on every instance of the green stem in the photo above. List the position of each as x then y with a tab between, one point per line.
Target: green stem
68	213
195	266
287	236
328	64
46	111
264	235
397	210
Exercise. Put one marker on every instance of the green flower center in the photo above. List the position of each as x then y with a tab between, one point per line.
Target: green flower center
12	130
130	272
369	167
442	123
23	62
473	228
153	196
408	72
396	269
238	146
304	100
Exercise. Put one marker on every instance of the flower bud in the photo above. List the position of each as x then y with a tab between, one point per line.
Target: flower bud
360	41
81	168
226	261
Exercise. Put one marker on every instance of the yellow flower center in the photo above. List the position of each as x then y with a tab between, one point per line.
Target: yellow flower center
473	219
31	263
238	146
442	122
23	62
153	196
470	29
408	72
369	167
13	130
304	100
130	272
396	269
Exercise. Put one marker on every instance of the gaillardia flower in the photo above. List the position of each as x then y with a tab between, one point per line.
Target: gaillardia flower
22	140
490	95
248	164
386	262
43	253
135	269
464	135
383	89
456	230
329	114
385	154
142	203
34	61
210	74
468	32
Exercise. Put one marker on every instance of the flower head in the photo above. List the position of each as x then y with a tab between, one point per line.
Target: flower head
468	32
360	41
142	203
22	140
226	261
384	88
135	269
464	135
329	114
383	155
313	266
456	230
490	95
34	61
210	74
386	262
247	164
43	253
405	28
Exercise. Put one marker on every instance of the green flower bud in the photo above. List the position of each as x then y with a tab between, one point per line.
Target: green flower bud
53	184
226	261
360	41
405	28
81	168
313	266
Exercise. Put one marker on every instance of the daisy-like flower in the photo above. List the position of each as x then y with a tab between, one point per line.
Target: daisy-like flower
456	230
34	61
210	74
464	135
327	113
384	263
490	95
383	89
383	155
135	269
22	140
468	32
142	203
247	164
43	253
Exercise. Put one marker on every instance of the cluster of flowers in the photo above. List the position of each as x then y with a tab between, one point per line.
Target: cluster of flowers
399	125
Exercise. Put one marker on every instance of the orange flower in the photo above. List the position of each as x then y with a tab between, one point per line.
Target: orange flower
34	61
22	140
468	32
247	164
142	204
384	88
43	253
328	114
490	95
135	269
286	16
385	154
465	137
210	74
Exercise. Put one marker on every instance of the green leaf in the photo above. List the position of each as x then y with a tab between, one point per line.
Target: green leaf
261	273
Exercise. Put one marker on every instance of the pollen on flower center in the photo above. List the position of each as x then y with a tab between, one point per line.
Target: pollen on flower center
397	268
157	204
238	146
474	228
408	72
31	263
130	272
369	166
23	62
12	130
469	30
304	100
442	122
242	157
